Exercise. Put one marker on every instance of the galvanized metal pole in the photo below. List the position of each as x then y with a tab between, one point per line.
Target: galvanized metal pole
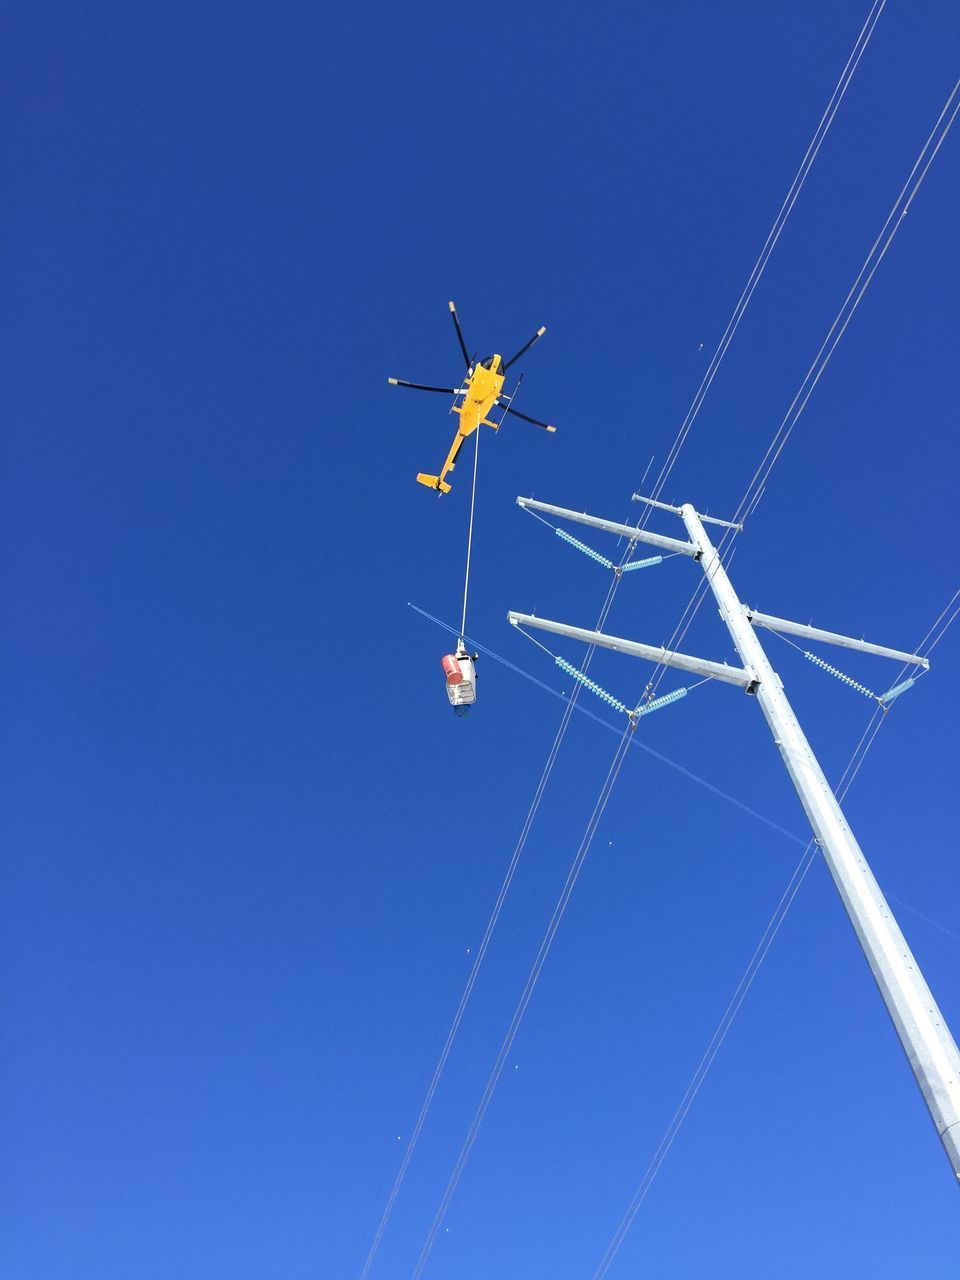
926	1039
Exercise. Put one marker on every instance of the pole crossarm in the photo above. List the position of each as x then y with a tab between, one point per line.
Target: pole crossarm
830	637
744	678
608	526
665	506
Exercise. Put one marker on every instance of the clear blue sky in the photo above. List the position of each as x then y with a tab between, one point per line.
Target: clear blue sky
247	845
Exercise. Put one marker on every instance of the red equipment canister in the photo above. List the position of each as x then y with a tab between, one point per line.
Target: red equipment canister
451	668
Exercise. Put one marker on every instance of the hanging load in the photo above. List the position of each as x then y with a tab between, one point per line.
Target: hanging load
461	675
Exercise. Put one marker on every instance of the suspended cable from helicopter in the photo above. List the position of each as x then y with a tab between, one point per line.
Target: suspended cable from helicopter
474	402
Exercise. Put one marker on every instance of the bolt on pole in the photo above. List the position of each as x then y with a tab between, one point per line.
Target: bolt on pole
926	1039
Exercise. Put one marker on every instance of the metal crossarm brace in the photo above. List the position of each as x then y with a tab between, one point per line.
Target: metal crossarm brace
608	526
830	637
683	661
665	506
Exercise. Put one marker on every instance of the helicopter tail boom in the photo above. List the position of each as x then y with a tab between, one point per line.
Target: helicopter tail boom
433	482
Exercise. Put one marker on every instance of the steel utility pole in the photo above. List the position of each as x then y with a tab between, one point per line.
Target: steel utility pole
926	1039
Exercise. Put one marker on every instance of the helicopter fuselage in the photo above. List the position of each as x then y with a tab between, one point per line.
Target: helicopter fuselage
482	388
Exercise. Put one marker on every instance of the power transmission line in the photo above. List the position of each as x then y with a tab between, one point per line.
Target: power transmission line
758	481
779	222
481	951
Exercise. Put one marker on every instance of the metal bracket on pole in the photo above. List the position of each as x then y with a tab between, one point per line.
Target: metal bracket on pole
830	637
683	661
608	526
665	506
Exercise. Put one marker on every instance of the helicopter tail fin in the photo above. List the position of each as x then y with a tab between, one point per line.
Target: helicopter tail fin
433	482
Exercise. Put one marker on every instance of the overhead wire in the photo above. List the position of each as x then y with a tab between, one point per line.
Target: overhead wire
507	1043
484	944
722	1029
943	630
850	303
928	647
758	481
779	222
706	1061
937	622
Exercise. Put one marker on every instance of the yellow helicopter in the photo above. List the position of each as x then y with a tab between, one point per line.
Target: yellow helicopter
482	392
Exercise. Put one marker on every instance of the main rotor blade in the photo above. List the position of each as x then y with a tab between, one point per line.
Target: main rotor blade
456	325
535	422
419	386
524	349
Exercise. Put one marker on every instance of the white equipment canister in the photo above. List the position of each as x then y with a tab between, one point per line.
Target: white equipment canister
463	694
